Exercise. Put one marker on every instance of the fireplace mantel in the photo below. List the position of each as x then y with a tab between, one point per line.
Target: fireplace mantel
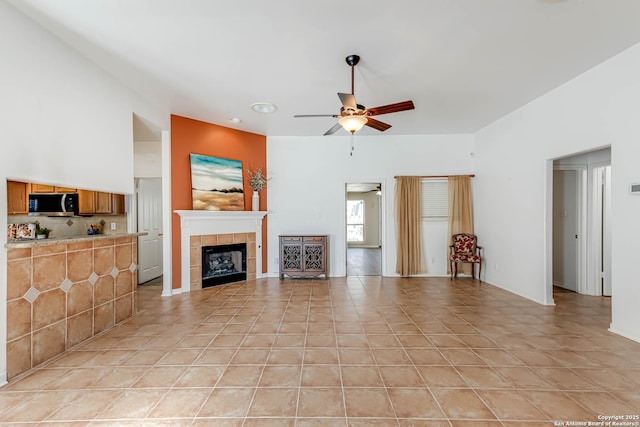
194	223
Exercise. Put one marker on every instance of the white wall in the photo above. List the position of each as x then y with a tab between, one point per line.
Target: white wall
63	121
147	159
513	174
306	193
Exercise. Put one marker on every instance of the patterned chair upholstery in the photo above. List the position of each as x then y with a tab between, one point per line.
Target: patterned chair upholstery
464	248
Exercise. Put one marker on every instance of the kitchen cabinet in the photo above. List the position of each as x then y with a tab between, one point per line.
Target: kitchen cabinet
303	255
98	202
117	204
17	198
86	202
103	202
66	190
42	188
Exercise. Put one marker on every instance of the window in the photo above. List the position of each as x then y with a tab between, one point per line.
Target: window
355	220
435	198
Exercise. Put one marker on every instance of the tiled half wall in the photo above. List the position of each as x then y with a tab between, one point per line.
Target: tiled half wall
62	294
197	242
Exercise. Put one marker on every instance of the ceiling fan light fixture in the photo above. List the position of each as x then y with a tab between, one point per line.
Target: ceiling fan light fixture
352	124
264	107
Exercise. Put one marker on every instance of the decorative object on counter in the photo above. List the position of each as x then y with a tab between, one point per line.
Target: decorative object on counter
216	183
94	229
42	233
26	231
11	231
257	181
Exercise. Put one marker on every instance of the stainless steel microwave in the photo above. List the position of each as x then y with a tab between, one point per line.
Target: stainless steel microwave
53	204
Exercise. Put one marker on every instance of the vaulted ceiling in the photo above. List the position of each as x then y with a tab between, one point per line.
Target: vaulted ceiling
464	63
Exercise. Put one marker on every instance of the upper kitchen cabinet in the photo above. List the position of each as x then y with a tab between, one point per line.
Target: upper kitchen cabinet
65	190
42	188
103	202
98	202
86	202
117	204
17	198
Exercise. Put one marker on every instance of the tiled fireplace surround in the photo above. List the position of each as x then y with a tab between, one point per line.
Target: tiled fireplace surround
211	228
198	242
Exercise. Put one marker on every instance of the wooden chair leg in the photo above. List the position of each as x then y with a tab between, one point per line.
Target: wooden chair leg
455	265
473	271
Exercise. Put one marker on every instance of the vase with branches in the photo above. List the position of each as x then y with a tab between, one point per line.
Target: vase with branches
257	181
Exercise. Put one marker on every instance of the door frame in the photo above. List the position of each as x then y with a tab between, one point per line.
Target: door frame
383	220
598	237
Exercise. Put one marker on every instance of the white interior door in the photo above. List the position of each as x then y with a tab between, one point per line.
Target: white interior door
150	222
565	229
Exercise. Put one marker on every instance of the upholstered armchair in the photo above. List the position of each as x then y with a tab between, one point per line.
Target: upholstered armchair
464	249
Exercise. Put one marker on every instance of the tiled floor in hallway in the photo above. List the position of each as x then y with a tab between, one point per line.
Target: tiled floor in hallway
357	351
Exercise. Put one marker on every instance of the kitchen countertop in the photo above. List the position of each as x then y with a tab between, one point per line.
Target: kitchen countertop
28	243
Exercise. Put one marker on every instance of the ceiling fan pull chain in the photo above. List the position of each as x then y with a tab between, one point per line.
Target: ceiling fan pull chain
352	147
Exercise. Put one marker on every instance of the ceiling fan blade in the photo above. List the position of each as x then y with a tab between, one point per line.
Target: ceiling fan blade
314	115
391	108
348	101
333	130
377	124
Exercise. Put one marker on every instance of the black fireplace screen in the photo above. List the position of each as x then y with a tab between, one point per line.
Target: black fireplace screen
224	264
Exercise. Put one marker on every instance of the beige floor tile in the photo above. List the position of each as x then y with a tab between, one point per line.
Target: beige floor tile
90	403
441	376
227	402
321	355
401	376
369	402
250	356
557	405
161	376
414	403
240	376
462	404
508	405
285	356
133	404
320	402
274	402
361	376
321	376
280	376
178	403
200	376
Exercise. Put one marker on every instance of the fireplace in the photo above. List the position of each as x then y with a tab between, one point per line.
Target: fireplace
209	228
224	264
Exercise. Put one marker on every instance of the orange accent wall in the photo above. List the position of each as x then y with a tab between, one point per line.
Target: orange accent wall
193	136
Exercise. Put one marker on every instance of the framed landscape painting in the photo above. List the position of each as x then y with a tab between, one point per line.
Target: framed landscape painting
216	183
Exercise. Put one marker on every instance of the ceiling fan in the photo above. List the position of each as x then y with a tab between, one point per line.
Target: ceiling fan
354	116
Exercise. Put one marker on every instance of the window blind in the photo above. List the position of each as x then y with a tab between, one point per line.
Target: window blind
435	198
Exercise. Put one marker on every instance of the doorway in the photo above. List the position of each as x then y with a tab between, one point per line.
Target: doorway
580	235
363	229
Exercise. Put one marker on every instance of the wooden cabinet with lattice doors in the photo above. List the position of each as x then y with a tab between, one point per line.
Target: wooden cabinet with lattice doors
303	256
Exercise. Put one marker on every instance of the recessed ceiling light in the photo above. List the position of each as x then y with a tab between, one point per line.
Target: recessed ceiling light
264	107
235	120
